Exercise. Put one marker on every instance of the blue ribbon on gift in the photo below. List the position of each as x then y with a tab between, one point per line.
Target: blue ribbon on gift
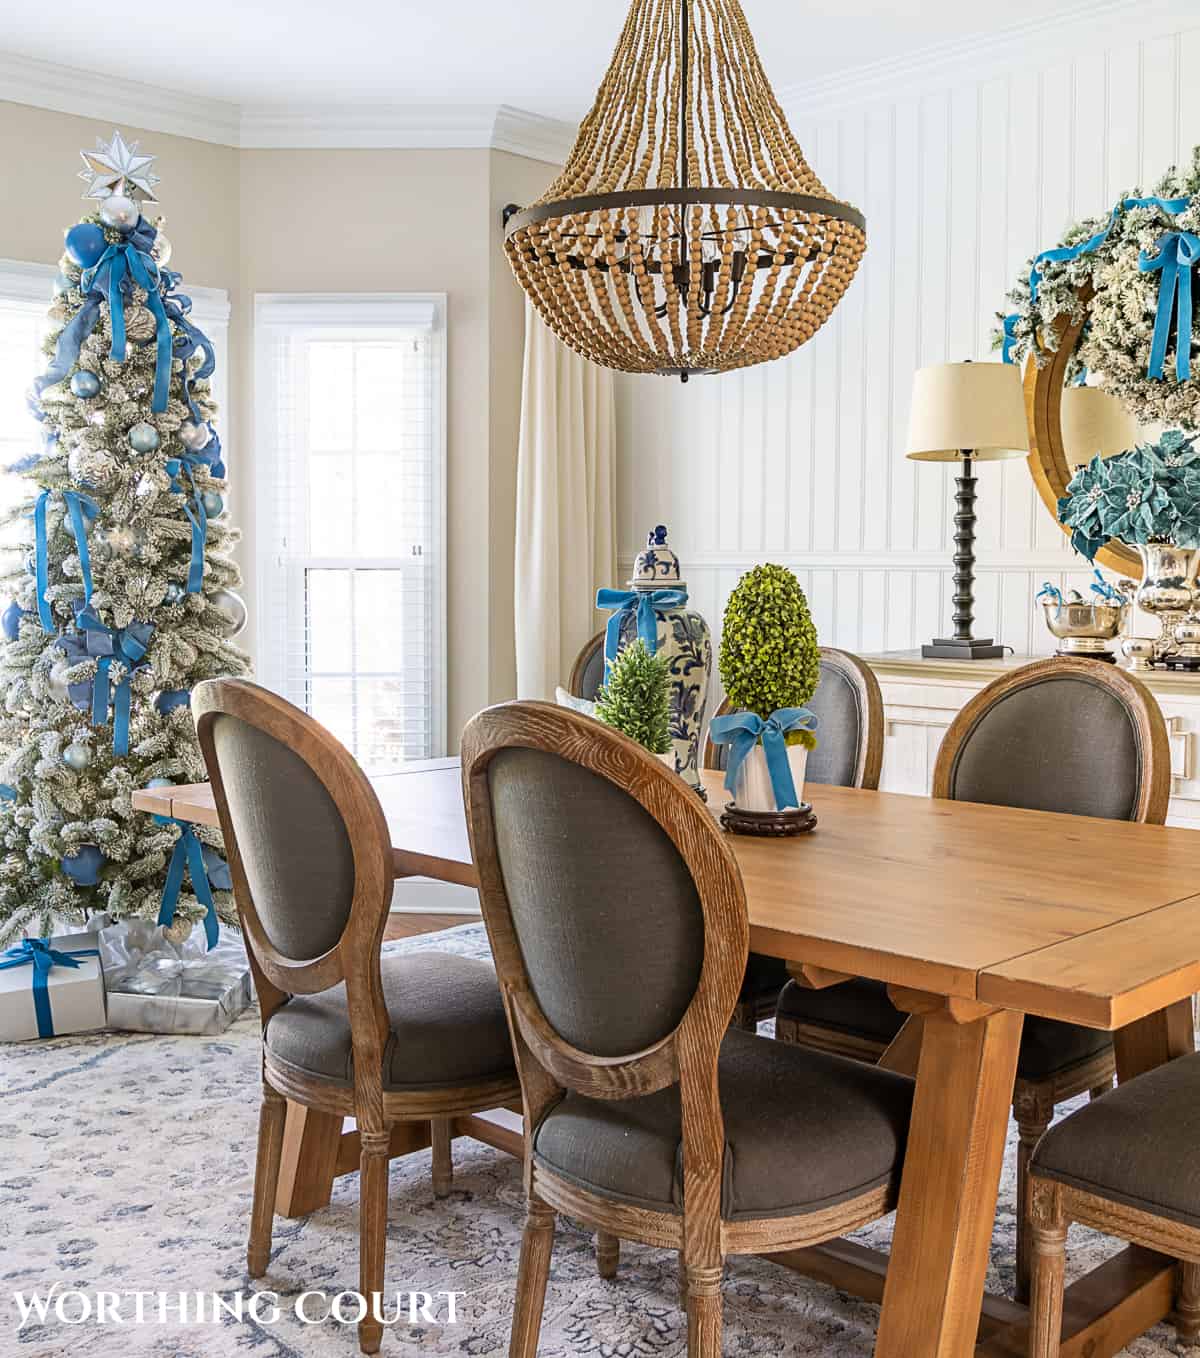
1176	255
38	954
1050	591
131	260
178	467
742	731
104	645
80	508
188	853
625	601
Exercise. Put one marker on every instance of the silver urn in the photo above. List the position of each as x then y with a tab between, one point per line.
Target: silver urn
1168	588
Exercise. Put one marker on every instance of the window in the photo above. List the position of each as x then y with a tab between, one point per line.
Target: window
351	443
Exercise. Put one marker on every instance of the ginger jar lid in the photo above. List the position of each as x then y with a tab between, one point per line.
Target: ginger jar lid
657	567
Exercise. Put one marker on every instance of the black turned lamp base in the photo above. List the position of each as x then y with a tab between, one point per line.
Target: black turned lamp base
950	648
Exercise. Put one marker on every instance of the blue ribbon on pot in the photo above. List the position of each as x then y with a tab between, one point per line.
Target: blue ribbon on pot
80	508
188	853
131	260
195	511
1103	589
104	645
1176	255
742	731
1049	591
38	954
625	601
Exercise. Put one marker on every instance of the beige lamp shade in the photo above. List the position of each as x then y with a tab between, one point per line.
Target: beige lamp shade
1095	422
967	407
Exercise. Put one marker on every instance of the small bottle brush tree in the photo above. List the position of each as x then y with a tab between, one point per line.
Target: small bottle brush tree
769	654
126	597
636	698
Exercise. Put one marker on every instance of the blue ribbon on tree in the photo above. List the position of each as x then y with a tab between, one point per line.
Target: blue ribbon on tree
188	853
625	601
742	731
131	260
104	645
1050	591
38	954
1176	255
195	511
80	508
66	349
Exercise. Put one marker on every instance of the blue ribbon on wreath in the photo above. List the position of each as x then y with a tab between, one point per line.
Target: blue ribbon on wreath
38	954
104	645
178	467
1175	256
80	509
742	731
625	602
188	853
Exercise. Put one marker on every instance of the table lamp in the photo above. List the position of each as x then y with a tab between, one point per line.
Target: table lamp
1095	422
974	412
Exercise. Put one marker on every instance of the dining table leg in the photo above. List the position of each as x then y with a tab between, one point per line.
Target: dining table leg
935	1279
311	1141
1154	1040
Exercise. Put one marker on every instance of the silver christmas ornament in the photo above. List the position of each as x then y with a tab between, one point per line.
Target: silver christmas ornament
143	438
161	782
119	212
233	607
214	504
194	436
160	251
91	468
175	593
58	681
114	167
85	384
77	756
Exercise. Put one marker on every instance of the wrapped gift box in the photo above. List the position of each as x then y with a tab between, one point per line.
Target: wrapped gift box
156	986
49	988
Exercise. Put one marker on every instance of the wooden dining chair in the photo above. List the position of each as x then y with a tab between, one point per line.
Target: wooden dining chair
617	918
849	753
587	673
1126	1165
404	1038
1069	735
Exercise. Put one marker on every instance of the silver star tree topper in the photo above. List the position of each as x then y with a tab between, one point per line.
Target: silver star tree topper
116	168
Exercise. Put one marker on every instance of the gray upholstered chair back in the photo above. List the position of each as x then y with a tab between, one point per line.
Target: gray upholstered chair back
293	843
605	911
587	674
1065	742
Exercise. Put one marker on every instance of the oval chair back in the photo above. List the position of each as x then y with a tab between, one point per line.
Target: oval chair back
587	673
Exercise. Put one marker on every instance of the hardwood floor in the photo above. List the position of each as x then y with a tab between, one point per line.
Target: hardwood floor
408	926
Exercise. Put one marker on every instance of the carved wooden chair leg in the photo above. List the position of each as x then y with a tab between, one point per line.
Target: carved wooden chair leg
372	1232
1031	1125
704	1312
532	1272
608	1254
1048	1247
683	1283
1187	1305
266	1179
443	1167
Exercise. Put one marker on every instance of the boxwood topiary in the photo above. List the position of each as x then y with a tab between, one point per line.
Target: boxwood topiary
636	697
769	652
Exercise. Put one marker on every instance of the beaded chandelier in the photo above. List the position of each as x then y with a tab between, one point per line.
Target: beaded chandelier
686	233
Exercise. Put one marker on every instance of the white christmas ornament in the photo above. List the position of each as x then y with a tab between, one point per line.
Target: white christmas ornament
194	436
116	168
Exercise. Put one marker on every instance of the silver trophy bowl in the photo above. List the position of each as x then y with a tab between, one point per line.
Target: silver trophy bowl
1085	629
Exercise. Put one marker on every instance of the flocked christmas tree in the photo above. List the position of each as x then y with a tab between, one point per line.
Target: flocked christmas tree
126	598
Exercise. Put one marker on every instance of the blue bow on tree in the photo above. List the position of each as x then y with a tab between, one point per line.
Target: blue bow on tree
119	268
104	645
1177	254
742	731
189	853
80	508
625	601
178	467
38	954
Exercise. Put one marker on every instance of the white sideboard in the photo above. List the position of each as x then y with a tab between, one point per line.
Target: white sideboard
921	697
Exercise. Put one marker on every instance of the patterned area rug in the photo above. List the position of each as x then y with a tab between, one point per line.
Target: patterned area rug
128	1166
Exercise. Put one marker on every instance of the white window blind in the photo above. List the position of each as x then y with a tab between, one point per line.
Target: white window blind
350	395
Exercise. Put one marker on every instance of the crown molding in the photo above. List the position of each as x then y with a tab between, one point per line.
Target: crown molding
1054	36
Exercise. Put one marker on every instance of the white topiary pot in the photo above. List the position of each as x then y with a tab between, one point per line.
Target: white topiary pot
753	790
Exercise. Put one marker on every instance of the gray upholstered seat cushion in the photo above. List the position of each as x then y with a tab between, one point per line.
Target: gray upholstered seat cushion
863	1009
447	1021
1136	1145
803	1130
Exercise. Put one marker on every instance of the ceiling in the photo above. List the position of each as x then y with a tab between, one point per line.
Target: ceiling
547	60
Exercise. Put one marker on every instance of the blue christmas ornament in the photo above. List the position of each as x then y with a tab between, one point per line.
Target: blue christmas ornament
161	782
85	244
175	593
10	621
219	876
85	384
171	698
214	503
83	866
143	438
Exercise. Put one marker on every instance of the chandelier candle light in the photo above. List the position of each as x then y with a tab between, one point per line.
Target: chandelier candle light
687	233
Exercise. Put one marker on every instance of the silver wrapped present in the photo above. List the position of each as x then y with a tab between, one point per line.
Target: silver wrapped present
156	986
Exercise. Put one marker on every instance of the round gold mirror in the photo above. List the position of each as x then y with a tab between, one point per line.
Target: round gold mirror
1051	458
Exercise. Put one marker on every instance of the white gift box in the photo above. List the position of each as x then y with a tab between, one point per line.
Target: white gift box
74	995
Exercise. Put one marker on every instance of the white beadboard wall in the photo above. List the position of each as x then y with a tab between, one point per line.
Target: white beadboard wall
801	461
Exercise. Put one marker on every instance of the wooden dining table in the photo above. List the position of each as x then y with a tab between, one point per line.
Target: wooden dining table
974	916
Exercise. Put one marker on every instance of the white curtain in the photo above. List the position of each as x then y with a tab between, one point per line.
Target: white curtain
566	507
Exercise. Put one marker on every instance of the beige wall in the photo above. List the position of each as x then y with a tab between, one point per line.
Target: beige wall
342	221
